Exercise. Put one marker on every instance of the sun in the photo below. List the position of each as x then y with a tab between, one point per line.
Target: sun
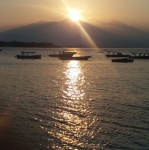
74	15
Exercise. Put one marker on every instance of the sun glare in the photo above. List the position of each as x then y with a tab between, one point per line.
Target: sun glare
74	15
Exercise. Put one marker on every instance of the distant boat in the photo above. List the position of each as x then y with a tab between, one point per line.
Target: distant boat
122	60
62	57
135	55
64	52
28	55
116	54
54	55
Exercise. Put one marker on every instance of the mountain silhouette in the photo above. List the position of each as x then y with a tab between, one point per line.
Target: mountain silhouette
68	33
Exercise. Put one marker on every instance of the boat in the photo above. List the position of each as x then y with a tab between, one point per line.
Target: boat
68	51
54	55
62	57
140	55
122	60
116	54
64	52
28	55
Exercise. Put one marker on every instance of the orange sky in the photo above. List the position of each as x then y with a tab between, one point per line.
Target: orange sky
21	12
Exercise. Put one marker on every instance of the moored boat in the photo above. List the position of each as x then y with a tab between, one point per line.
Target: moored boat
54	55
141	55
64	52
116	54
122	60
28	55
74	57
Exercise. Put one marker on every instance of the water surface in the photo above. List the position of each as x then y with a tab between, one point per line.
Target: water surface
84	105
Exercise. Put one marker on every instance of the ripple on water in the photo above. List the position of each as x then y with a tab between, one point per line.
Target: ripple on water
53	104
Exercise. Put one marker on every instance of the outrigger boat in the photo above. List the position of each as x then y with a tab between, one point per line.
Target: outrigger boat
28	55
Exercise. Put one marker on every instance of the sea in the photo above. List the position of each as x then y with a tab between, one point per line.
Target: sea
53	104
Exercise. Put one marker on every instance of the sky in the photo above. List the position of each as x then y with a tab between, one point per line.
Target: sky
15	13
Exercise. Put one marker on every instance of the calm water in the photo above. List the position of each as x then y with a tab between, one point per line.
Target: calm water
78	105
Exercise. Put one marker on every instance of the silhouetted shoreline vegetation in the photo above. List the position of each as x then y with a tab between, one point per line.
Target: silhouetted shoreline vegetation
27	44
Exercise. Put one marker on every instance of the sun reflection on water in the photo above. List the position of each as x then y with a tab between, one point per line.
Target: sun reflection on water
74	81
72	123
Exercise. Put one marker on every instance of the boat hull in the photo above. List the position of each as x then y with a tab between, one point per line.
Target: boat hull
123	60
117	55
75	58
139	57
28	57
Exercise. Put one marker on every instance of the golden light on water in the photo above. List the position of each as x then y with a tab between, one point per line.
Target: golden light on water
72	116
74	80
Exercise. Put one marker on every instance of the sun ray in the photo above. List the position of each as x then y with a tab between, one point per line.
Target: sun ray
87	36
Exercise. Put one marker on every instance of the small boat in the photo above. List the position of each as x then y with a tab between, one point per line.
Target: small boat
135	55
28	55
74	57
69	52
64	52
122	60
116	54
54	55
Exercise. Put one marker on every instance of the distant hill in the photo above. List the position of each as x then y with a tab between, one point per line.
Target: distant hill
26	44
67	33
